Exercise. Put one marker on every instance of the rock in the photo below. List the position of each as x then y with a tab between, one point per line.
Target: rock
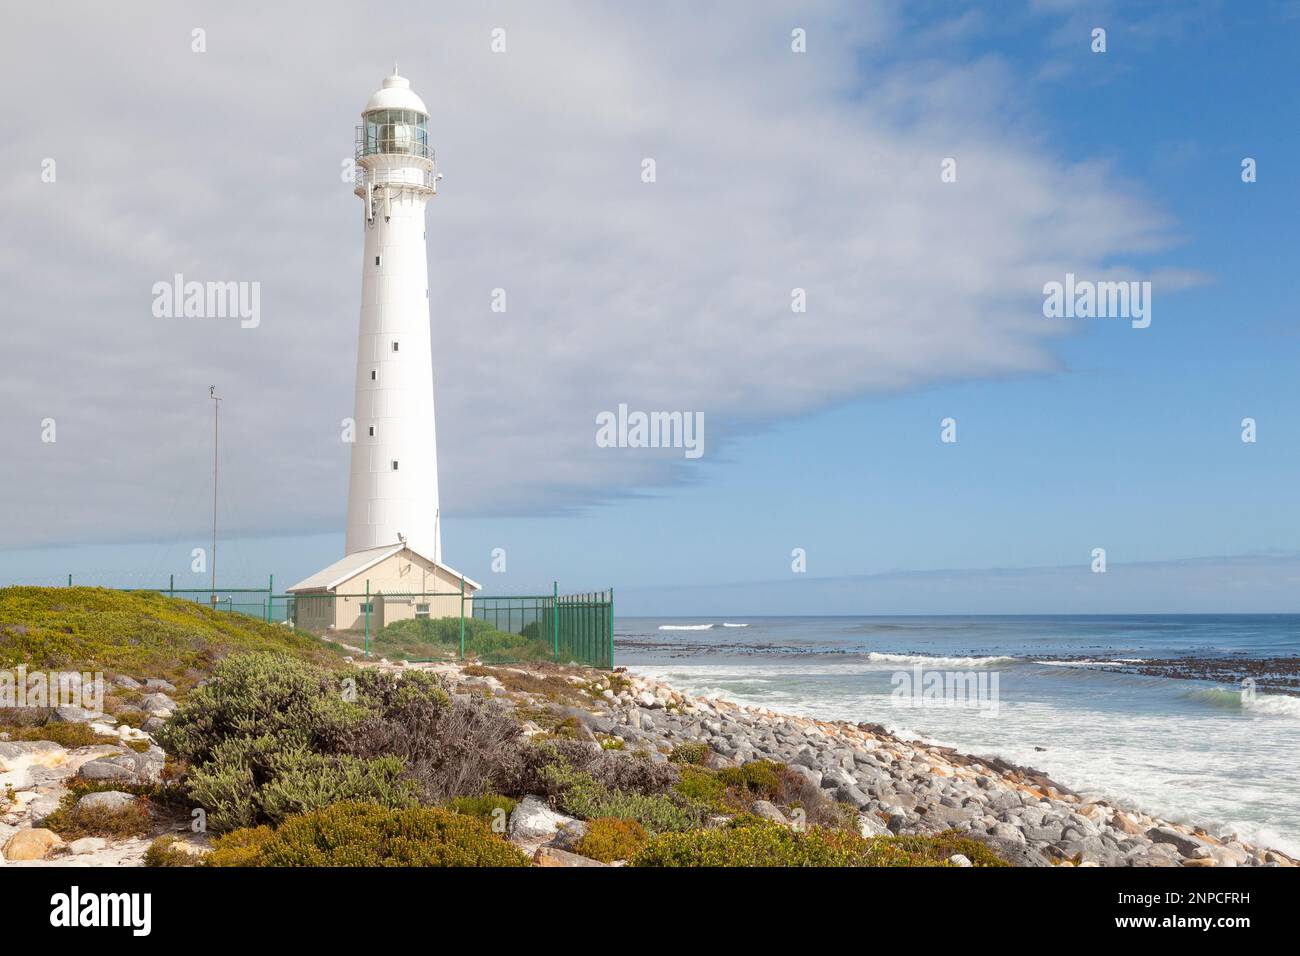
31	844
958	859
157	704
534	822
157	683
87	845
1005	831
870	825
108	768
896	822
853	796
1186	845
75	715
132	767
648	700
107	800
155	724
834	777
127	683
550	856
812	776
569	835
1121	822
41	806
768	811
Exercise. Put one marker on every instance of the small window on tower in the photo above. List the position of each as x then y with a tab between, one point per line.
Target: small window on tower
372	431
374	375
394	346
376	260
394	464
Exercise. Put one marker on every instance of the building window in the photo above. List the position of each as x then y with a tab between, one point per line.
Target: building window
372	431
367	607
394	464
394	345
376	260
374	375
422	610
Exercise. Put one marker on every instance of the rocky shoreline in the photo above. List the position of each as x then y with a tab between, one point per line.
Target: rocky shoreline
906	787
896	786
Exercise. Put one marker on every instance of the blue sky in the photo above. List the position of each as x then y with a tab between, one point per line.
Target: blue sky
1124	439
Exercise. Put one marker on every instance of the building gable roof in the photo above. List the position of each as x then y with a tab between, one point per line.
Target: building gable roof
355	563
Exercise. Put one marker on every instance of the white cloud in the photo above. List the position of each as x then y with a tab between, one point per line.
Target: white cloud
776	170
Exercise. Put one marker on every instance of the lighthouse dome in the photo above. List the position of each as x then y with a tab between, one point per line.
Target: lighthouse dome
396	94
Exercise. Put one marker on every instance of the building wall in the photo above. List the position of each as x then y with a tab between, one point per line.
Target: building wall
404	573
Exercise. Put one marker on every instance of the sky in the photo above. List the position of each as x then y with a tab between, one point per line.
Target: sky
824	481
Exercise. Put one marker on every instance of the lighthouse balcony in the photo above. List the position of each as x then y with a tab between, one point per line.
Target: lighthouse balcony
409	177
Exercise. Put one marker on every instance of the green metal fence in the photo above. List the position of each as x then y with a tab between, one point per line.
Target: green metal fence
422	626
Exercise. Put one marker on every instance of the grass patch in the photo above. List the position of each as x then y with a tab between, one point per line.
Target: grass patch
73	824
66	734
143	634
488	808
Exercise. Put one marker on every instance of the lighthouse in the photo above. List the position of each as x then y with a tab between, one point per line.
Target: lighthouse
393	483
392	564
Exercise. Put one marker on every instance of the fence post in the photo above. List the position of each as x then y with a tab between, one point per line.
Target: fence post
270	589
611	628
171	585
555	618
366	607
69	579
462	617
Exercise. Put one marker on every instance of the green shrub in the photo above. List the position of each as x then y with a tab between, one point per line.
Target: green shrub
363	834
690	753
416	638
756	780
762	843
702	785
749	841
262	740
484	807
239	847
164	852
609	838
256	696
613	769
577	793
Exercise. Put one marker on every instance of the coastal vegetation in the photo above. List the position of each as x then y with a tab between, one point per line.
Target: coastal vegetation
440	637
277	751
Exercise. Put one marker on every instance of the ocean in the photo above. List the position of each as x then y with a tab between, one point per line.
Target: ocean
1090	700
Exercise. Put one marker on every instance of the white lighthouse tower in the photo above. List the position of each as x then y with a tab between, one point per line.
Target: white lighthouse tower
392	566
393	487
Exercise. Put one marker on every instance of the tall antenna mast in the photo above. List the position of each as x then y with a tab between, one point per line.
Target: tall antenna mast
216	431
